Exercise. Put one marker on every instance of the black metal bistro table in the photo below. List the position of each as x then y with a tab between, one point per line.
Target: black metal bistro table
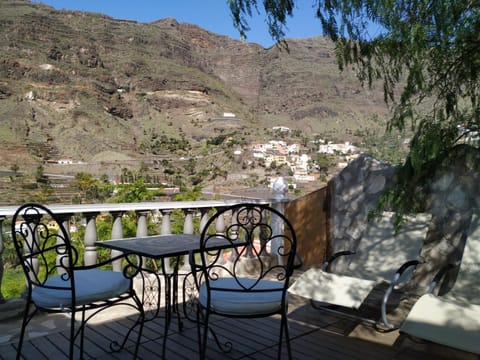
163	247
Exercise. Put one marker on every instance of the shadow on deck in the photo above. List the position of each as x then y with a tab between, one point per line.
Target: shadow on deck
314	335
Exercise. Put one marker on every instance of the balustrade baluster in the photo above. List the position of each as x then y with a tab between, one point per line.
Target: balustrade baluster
203	218
220	228
28	245
90	257
166	230
233	254
188	228
188	221
65	219
220	225
142	228
117	233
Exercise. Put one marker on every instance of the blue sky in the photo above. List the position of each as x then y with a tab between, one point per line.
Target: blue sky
213	15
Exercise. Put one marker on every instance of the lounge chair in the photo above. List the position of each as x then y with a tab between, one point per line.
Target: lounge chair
379	257
452	319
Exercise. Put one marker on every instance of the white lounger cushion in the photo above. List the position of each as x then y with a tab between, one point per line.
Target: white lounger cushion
445	321
243	302
331	288
90	285
454	318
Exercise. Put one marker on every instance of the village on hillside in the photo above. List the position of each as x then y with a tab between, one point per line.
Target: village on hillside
301	166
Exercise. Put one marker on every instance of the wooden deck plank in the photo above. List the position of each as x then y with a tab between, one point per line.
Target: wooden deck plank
99	339
314	335
48	348
8	351
336	346
154	329
245	336
31	352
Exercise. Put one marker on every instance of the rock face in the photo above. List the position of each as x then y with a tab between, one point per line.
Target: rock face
99	82
452	196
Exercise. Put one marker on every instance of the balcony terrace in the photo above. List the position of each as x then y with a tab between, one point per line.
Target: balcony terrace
315	334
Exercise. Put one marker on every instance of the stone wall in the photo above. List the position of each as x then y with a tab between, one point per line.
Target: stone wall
354	193
451	195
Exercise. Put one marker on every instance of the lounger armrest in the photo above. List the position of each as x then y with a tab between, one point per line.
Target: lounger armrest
335	256
397	279
298	262
440	275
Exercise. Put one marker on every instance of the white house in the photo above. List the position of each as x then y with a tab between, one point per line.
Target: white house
331	148
281	128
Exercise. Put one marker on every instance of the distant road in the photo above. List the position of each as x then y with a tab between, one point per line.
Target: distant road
5	173
59	175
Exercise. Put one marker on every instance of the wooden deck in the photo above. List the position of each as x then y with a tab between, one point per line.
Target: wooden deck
314	334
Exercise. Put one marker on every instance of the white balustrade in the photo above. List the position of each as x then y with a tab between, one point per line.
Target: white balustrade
90	213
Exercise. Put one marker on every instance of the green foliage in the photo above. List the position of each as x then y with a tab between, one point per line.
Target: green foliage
134	192
157	144
93	189
388	146
277	12
325	161
13	283
15	167
192	194
39	173
217	140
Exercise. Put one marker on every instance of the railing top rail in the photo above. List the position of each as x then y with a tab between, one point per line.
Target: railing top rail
139	206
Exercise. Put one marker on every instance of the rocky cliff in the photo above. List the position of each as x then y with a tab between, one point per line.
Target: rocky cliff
92	88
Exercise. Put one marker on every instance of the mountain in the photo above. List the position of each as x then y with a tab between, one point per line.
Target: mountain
91	88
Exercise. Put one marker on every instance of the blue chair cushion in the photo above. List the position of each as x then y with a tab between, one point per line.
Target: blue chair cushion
243	303
90	285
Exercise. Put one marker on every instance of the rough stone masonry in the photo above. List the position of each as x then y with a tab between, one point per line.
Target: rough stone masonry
451	197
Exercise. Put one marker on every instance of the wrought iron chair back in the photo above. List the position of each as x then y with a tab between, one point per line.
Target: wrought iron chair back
44	248
57	282
247	276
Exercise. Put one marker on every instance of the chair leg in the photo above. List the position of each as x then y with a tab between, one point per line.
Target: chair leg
142	321
25	321
73	336
205	338
202	321
284	327
199	333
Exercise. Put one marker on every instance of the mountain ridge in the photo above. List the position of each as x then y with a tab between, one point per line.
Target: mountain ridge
75	84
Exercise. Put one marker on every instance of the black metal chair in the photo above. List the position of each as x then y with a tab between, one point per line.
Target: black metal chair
56	283
249	276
